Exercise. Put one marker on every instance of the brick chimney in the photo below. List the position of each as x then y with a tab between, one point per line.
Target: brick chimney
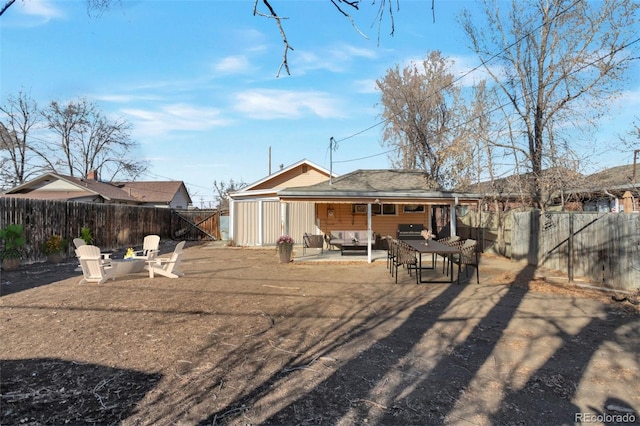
92	175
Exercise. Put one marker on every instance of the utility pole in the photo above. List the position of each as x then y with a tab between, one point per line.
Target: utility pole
332	145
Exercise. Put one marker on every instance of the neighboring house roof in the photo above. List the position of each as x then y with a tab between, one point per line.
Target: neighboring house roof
614	179
57	186
157	192
384	185
54	186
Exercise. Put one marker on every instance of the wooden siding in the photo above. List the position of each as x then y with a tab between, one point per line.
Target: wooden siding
112	226
293	178
344	219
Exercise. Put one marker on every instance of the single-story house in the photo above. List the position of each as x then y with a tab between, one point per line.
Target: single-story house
376	200
55	186
256	215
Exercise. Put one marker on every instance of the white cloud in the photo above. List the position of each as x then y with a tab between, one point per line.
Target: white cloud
41	8
172	118
336	59
233	65
268	104
366	86
124	99
348	52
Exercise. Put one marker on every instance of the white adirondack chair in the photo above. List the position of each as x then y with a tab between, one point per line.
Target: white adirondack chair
168	266
78	242
150	247
93	267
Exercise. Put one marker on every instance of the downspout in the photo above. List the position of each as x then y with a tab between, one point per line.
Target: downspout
260	222
452	219
232	204
369	232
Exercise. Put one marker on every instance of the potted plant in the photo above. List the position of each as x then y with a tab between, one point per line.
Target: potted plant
54	248
85	234
13	239
284	247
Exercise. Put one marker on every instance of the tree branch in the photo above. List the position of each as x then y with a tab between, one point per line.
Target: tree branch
6	6
272	14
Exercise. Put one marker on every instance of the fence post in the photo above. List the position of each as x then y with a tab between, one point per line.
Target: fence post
570	248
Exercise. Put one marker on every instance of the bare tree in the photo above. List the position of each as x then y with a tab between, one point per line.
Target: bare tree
223	189
19	116
425	121
87	140
556	63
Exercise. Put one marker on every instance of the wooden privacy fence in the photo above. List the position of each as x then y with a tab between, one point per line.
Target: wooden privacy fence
196	224
113	226
491	230
604	248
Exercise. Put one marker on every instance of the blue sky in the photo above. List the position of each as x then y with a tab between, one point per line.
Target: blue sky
197	79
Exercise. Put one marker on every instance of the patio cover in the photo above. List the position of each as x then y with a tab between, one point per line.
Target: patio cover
379	187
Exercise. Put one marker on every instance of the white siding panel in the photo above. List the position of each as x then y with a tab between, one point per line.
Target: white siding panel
302	219
246	223
271	222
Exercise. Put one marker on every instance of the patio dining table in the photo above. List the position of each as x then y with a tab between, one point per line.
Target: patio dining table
434	248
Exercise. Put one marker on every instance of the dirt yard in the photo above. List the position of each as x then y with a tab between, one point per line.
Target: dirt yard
242	339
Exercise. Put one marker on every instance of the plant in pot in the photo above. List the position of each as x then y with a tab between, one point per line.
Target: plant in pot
54	248
85	234
284	246
13	239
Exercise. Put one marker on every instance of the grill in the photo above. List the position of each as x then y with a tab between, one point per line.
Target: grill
409	231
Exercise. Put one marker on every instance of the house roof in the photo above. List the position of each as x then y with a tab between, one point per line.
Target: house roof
154	191
86	187
384	185
619	178
130	192
283	171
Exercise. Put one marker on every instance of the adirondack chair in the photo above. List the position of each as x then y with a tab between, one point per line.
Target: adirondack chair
150	247
168	266
93	266
78	242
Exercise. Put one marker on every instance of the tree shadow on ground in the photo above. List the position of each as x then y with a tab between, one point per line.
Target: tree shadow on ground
389	390
438	389
55	391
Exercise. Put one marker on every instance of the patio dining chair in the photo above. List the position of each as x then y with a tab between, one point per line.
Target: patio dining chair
450	241
468	257
406	257
312	241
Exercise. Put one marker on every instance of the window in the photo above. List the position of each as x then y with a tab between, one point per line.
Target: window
413	208
384	209
359	208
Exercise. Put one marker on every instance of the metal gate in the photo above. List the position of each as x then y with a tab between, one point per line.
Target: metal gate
195	225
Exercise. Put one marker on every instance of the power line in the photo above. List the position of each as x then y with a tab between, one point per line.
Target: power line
455	80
